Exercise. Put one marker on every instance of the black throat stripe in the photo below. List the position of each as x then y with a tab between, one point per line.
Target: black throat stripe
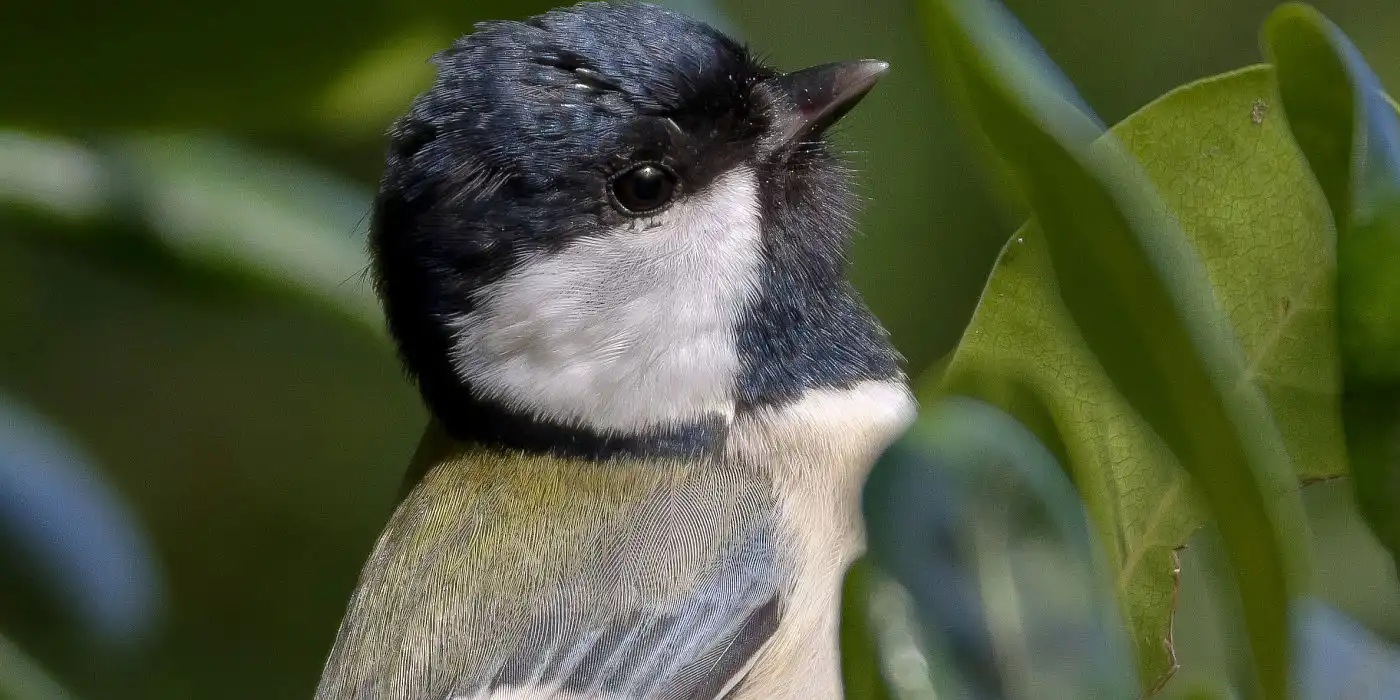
489	424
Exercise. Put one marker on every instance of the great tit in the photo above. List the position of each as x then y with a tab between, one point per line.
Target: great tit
611	247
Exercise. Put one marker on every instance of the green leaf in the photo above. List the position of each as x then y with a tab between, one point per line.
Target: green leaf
1199	690
205	204
974	519
1175	278
21	678
256	66
862	677
1350	134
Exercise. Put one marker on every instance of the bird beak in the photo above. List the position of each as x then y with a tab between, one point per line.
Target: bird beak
807	102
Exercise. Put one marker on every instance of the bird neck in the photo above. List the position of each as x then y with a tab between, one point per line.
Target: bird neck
653	342
827	340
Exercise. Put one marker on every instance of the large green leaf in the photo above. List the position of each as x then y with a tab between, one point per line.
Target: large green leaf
1127	333
1350	134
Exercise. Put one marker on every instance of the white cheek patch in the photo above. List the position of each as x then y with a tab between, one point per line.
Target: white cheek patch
627	330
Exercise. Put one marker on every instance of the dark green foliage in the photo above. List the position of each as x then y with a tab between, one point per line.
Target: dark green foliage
1170	305
1350	134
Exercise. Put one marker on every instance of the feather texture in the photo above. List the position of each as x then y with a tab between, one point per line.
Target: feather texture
513	576
644	580
658	424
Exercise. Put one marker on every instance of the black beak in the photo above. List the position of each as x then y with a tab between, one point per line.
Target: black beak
807	102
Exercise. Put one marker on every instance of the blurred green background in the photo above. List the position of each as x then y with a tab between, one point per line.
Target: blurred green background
184	315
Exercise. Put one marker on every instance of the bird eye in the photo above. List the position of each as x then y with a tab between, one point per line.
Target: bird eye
644	188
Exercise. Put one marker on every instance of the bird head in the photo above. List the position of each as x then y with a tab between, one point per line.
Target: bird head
612	220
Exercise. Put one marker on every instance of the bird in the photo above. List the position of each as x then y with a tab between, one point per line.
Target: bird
611	245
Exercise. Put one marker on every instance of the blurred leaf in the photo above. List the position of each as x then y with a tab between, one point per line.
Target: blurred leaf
208	203
972	516
216	204
21	678
374	90
861	675
378	85
56	507
1350	134
914	670
247	67
1340	659
61	178
1201	691
707	11
916	514
261	443
1117	315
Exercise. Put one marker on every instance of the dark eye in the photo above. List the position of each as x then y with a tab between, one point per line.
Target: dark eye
644	188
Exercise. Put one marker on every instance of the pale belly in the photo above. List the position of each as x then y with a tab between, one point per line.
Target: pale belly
818	450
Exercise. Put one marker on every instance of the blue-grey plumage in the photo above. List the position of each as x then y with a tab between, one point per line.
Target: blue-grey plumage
611	249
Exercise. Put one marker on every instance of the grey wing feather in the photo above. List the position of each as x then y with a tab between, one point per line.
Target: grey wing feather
669	595
688	651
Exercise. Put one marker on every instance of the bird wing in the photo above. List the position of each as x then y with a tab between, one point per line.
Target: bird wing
523	578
